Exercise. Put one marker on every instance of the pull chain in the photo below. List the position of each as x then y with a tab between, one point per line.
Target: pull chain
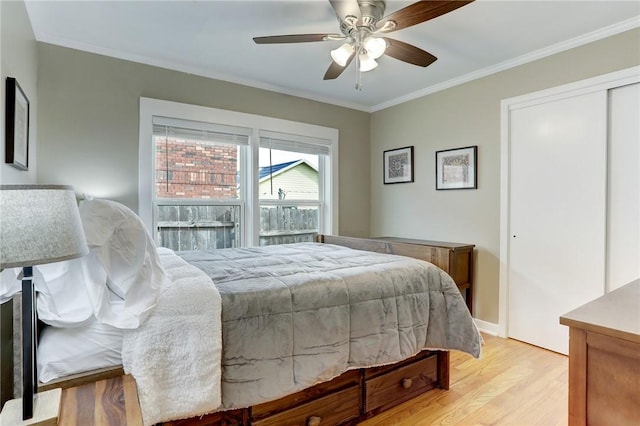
358	73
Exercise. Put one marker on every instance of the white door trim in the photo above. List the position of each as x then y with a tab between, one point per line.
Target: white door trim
603	82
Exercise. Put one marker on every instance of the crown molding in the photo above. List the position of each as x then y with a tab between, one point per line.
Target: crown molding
605	32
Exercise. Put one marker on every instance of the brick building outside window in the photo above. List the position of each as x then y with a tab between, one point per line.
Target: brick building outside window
195	169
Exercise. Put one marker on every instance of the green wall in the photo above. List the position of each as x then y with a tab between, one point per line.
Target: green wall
19	59
464	115
89	122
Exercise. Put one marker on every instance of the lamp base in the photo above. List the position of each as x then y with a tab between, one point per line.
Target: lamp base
46	410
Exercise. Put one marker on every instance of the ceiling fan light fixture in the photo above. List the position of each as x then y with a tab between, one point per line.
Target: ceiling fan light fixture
375	46
364	29
342	54
367	63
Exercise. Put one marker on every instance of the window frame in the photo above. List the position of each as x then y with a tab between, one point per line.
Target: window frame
249	193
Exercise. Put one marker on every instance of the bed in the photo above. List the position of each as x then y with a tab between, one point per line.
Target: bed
380	327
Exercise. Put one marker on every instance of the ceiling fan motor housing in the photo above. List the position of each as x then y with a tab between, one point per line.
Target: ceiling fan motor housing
357	29
371	12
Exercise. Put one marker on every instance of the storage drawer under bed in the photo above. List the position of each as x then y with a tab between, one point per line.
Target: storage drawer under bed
398	385
334	409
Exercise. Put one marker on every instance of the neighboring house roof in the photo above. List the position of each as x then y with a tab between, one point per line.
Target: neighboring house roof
275	169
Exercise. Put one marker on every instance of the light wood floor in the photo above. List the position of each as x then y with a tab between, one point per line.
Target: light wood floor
513	383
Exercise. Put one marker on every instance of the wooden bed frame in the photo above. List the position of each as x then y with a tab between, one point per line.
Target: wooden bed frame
346	400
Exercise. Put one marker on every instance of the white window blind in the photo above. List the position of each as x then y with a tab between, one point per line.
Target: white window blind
294	143
199	130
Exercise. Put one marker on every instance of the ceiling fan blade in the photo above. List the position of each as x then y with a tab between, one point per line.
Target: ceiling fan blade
335	70
417	13
345	8
408	53
297	38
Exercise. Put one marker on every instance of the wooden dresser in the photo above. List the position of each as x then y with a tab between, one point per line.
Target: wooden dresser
454	258
604	359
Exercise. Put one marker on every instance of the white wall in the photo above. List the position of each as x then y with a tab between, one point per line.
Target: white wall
18	53
469	114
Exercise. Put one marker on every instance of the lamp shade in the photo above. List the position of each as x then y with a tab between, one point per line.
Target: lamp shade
367	63
342	54
39	224
375	46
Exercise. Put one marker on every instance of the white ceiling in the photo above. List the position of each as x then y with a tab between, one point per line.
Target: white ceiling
214	39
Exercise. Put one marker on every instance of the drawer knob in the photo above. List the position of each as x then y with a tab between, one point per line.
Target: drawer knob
314	421
406	383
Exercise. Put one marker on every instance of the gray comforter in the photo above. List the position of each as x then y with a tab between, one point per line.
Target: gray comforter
299	314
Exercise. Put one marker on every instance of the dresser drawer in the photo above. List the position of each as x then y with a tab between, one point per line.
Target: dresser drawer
333	409
402	384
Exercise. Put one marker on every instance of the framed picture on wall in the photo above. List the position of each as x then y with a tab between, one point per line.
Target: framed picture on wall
17	126
457	168
398	165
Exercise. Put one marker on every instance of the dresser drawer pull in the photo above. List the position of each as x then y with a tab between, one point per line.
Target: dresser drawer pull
406	383
314	421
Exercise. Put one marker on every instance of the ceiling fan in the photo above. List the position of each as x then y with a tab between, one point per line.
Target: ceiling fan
364	31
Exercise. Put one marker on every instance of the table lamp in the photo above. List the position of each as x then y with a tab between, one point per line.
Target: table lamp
38	224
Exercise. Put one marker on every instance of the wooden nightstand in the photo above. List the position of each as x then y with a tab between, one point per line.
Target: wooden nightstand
111	401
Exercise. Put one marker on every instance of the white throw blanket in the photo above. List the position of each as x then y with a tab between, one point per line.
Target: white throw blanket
179	345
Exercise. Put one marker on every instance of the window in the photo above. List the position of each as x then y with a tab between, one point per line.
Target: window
291	180
211	178
197	173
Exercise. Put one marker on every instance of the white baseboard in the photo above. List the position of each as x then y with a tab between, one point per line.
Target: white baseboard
487	327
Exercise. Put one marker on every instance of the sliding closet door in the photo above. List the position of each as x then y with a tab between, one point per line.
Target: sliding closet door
557	214
623	221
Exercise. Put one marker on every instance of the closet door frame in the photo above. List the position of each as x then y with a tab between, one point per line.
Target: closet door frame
595	84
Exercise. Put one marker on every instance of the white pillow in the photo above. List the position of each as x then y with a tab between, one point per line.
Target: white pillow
120	246
10	283
61	291
65	351
62	297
